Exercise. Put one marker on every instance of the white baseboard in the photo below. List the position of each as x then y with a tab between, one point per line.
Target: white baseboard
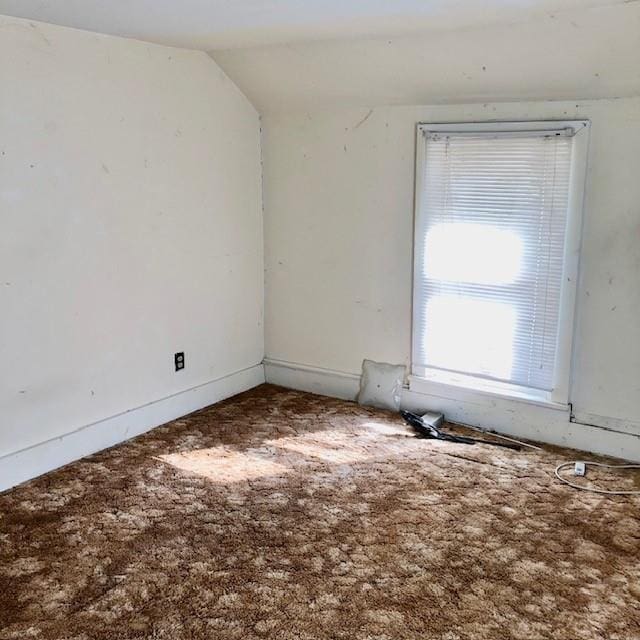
325	382
613	424
33	461
510	417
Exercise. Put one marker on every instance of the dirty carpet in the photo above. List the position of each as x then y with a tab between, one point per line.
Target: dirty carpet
283	515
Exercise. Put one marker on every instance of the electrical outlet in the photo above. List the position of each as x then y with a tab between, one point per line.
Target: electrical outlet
178	360
580	469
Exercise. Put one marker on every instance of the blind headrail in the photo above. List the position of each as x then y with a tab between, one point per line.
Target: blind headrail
567	132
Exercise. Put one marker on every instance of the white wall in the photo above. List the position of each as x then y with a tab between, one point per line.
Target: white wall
339	188
130	228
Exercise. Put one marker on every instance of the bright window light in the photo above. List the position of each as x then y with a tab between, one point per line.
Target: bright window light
471	335
476	253
491	221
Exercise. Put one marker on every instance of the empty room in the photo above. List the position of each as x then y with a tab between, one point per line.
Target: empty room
320	320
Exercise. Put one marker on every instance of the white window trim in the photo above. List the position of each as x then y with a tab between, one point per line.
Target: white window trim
429	380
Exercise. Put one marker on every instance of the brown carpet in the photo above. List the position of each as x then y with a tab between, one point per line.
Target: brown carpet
279	514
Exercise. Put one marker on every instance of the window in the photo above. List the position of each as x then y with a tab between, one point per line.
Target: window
496	246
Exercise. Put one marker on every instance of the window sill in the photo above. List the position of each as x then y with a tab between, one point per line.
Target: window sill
445	384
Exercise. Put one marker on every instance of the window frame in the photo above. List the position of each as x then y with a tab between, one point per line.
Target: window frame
423	379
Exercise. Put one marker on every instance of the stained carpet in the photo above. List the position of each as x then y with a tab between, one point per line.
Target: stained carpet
284	515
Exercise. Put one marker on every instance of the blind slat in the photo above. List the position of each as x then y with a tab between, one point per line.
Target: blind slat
490	238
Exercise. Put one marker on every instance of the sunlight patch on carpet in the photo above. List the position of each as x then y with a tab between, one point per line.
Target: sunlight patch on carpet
220	464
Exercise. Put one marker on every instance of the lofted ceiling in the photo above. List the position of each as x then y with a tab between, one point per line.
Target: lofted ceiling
573	55
290	55
225	24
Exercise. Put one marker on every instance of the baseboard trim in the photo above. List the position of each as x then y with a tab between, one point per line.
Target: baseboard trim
510	417
46	456
610	424
304	377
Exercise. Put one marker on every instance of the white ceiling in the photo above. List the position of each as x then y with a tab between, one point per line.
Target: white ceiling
223	24
307	54
574	55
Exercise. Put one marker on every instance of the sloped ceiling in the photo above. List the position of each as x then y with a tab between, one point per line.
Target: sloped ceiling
304	54
222	24
574	55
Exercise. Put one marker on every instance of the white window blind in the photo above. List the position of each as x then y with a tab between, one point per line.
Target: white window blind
490	239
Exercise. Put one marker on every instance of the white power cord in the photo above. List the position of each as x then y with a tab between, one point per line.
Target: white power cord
594	490
499	435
